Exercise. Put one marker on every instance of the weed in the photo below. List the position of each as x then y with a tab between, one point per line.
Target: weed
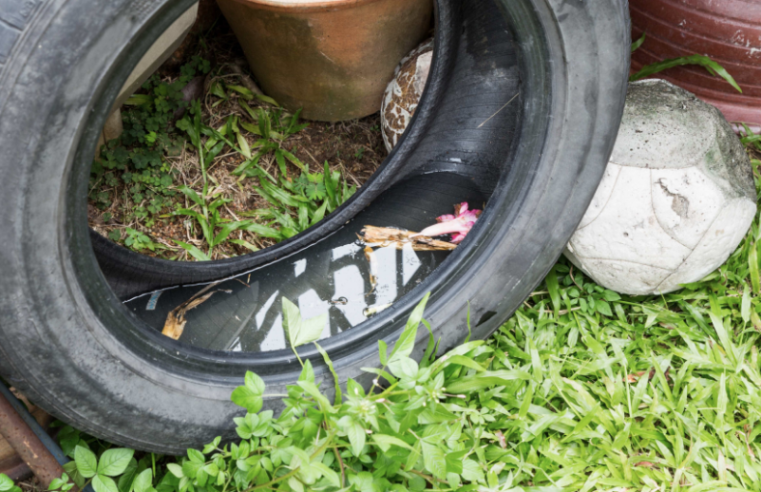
158	164
135	161
139	241
711	66
301	203
581	389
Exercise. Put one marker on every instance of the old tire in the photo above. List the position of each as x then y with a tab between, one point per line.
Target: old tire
67	341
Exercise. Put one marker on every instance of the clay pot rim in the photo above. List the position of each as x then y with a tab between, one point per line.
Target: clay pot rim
296	6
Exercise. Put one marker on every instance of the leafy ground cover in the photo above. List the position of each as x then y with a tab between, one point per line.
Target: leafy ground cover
581	390
207	167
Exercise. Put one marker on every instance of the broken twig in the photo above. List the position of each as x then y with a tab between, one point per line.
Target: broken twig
389	237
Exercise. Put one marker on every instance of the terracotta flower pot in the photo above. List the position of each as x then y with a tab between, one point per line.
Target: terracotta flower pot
728	31
332	58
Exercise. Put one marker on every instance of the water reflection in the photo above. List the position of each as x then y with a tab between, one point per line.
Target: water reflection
332	277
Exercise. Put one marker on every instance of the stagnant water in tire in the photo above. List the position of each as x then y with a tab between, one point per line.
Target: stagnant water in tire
244	313
333	277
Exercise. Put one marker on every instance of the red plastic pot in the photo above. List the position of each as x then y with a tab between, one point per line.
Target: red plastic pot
728	31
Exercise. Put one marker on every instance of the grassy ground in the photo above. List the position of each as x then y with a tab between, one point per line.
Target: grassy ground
262	177
664	392
584	390
626	393
596	392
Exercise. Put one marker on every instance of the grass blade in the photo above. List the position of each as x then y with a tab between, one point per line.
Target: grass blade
245	244
755	280
193	251
700	60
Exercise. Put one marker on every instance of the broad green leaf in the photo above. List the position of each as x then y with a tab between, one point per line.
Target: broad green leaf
264	231
114	461
175	469
190	193
245	244
243	91
295	484
330	475
300	331
462	361
385	442
143	481
356	434
87	463
311	389
486	379
196	456
402	366
383	352
254	383
7	484
102	483
435	461
472	471
413	457
266	99
245	149
226	229
294	160
243	396
319	214
125	480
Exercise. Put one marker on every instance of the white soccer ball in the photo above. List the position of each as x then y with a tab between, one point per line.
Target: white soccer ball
676	200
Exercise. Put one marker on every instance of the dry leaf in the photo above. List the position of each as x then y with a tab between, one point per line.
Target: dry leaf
175	320
390	237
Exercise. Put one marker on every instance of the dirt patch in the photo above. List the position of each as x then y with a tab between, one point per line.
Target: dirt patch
141	181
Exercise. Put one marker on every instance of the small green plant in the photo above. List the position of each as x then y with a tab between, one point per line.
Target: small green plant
140	241
706	62
273	127
135	162
7	485
299	204
214	229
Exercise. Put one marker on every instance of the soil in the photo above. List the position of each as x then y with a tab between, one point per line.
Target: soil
355	148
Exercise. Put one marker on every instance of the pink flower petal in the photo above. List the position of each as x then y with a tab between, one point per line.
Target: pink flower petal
458	225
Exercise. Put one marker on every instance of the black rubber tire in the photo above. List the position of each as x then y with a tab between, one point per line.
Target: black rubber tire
67	341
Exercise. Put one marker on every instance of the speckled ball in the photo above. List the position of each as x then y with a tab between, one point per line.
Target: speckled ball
403	93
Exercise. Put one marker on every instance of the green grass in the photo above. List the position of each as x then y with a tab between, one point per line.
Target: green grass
155	190
712	67
581	390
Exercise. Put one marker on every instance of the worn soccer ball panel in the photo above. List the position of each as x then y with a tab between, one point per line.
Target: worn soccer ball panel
676	199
